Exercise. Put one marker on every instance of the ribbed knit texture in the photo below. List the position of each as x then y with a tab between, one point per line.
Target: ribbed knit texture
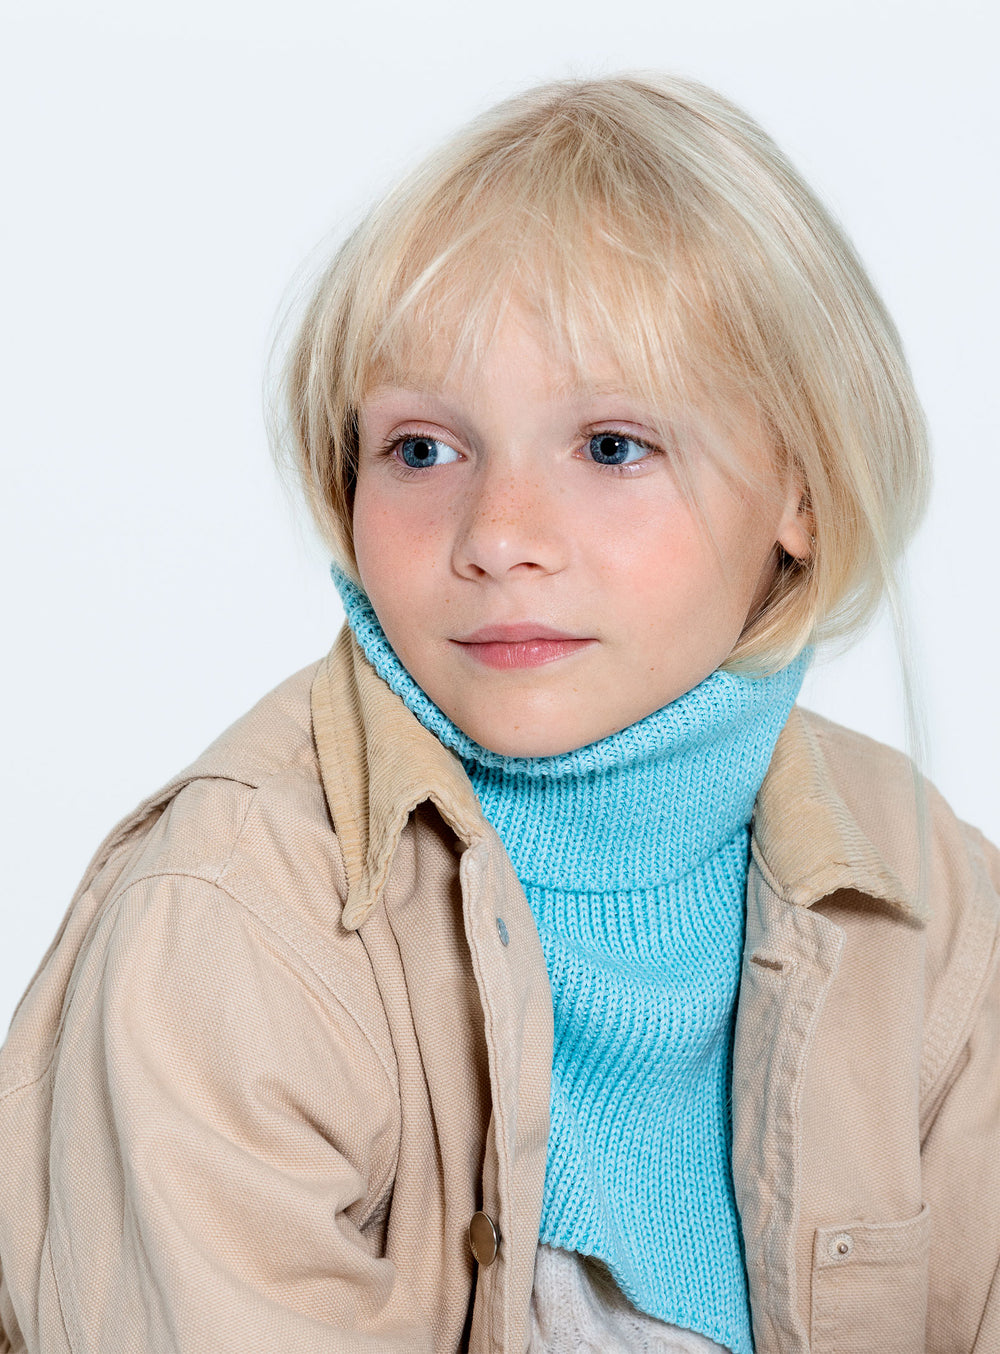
633	854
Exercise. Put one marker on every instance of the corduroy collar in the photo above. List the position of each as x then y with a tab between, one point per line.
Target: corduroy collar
810	841
379	763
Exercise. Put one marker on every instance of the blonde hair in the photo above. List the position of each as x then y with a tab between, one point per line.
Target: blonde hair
650	215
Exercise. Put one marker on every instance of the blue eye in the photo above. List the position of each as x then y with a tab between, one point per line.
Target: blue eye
420	452
616	449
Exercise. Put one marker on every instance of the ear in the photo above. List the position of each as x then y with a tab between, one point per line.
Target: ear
796	531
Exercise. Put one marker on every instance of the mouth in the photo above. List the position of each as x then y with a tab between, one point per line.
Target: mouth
526	644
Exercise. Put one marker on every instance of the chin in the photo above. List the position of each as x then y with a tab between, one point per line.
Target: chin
525	743
534	749
523	728
519	743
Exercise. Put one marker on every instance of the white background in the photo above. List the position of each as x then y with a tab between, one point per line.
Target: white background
166	169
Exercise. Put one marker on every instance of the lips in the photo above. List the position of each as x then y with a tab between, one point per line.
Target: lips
517	633
525	644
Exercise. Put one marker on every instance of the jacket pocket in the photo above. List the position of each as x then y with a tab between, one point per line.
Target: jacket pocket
869	1287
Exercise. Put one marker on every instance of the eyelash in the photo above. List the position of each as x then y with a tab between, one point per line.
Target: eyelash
391	445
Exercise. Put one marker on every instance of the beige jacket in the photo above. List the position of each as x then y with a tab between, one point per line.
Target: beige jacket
281	1051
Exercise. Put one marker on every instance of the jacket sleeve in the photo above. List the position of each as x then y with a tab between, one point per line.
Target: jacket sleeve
223	1134
961	1168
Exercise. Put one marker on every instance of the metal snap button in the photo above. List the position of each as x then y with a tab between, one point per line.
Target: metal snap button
484	1238
841	1246
502	931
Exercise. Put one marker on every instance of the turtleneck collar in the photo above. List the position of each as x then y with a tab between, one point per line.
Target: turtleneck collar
640	807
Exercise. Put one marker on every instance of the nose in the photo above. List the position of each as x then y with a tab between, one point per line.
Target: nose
510	523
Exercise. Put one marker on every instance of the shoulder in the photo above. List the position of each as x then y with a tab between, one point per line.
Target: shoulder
237	854
248	815
895	834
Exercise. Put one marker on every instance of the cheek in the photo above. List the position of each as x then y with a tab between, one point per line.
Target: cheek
377	540
670	575
657	557
390	536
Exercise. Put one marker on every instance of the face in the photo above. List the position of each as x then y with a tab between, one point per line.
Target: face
532	557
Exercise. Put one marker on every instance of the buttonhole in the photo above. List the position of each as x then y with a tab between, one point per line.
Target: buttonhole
769	961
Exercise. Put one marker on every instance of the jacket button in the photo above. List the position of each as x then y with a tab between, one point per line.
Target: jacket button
484	1239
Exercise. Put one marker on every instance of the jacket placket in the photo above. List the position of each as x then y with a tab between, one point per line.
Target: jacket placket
791	956
517	1008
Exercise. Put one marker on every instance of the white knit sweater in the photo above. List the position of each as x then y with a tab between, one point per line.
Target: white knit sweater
577	1308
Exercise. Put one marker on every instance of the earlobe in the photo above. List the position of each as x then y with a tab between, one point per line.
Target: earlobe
797	533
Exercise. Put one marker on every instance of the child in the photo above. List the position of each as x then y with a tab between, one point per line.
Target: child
531	973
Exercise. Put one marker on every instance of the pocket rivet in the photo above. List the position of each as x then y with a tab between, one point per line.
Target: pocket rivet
841	1246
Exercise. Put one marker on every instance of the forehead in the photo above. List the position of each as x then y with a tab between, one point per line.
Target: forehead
444	295
449	345
603	317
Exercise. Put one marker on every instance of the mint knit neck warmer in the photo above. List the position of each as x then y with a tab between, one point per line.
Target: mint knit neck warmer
633	853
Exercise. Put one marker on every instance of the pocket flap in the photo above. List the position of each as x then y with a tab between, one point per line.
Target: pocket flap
872	1243
869	1287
